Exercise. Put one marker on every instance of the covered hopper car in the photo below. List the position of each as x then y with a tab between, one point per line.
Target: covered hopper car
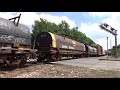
52	47
90	51
100	51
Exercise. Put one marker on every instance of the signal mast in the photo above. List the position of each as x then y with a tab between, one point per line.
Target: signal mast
112	31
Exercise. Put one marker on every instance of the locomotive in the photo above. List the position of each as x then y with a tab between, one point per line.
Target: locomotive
15	42
52	47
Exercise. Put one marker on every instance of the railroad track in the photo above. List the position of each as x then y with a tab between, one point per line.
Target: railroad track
28	64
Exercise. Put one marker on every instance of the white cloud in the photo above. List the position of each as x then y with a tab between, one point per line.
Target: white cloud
103	42
7	15
99	14
28	18
58	19
93	31
115	23
98	35
102	14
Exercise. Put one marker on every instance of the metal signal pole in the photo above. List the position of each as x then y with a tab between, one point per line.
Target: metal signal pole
105	26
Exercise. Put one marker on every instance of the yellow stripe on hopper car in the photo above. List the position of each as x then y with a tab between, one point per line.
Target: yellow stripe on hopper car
53	40
23	48
74	43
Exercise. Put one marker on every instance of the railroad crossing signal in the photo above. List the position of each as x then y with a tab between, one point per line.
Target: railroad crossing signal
112	31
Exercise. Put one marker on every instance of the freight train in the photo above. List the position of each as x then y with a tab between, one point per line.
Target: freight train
16	48
52	47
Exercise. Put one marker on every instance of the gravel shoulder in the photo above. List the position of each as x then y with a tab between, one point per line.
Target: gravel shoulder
94	63
57	71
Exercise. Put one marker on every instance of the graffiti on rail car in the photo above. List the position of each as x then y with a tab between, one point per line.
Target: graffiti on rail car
11	39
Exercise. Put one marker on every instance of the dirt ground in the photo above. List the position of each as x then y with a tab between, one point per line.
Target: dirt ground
97	63
75	68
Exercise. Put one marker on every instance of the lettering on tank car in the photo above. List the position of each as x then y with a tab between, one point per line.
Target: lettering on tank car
68	47
6	38
19	40
12	39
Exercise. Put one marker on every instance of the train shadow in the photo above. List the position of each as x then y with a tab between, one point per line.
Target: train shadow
28	64
52	62
11	68
7	68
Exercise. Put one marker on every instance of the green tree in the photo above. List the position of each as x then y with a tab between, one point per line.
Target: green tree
62	29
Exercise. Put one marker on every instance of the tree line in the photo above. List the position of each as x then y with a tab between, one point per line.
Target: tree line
62	29
113	50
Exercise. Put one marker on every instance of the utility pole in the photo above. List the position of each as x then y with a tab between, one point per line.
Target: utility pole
116	44
110	44
110	47
107	47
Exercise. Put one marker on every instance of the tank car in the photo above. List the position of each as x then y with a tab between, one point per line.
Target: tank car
52	47
15	42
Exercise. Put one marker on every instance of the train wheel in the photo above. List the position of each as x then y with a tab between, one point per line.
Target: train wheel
76	57
23	61
59	57
52	58
40	59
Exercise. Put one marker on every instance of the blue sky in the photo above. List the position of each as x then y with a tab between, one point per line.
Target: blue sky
87	22
78	17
